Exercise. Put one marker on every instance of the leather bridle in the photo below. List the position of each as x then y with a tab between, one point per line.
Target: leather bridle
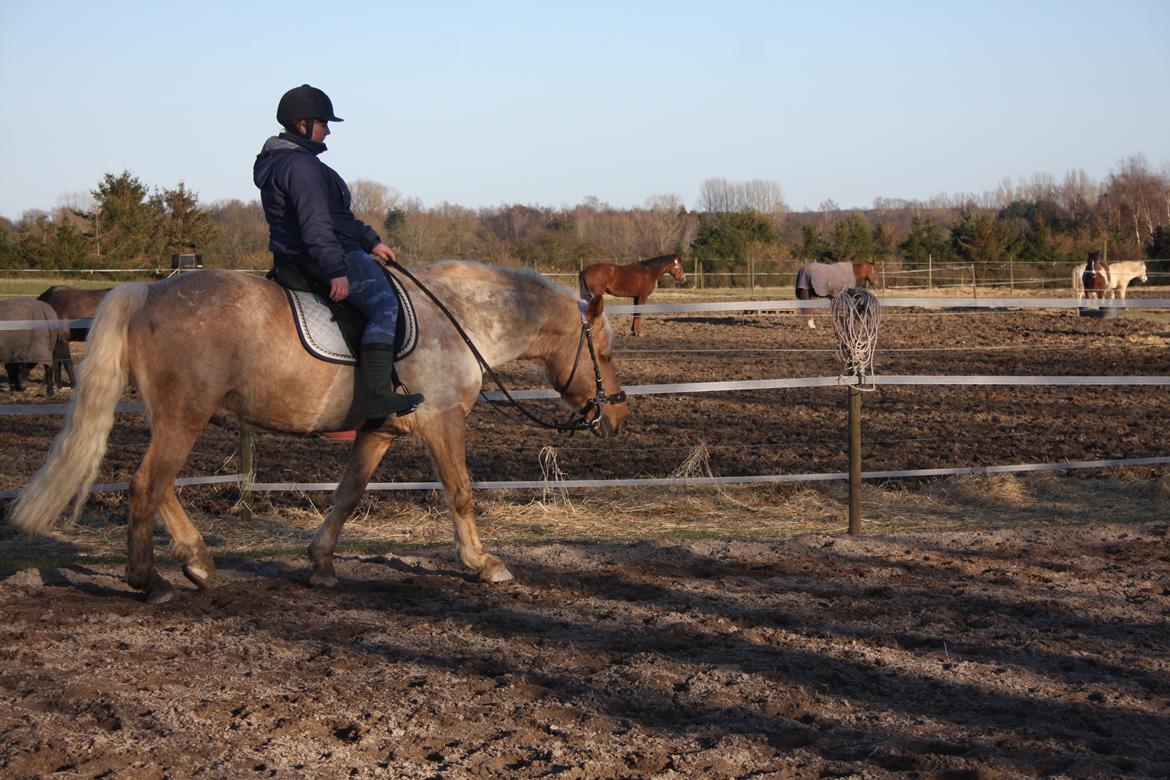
601	398
581	422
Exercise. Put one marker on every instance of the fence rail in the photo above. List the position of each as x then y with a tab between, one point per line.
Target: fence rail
246	482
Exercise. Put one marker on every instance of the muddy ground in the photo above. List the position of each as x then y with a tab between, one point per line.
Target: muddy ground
1034	650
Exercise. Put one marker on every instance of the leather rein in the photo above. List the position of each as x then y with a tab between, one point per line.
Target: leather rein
579	423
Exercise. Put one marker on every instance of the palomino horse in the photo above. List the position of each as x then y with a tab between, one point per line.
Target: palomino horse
636	280
1117	280
828	280
220	342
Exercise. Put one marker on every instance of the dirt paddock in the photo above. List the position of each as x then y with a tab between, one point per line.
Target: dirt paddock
981	627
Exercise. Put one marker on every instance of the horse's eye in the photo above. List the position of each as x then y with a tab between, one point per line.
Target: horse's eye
605	357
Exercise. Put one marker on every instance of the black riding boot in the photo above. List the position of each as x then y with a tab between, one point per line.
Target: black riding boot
375	368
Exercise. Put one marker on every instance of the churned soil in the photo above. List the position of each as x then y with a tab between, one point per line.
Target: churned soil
1007	653
993	648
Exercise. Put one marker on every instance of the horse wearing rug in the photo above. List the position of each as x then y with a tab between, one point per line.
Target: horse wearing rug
636	280
1116	280
22	349
220	342
828	280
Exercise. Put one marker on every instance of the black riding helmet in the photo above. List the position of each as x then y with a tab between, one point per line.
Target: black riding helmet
304	102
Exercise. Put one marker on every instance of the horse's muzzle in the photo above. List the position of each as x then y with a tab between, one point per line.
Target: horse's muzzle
612	419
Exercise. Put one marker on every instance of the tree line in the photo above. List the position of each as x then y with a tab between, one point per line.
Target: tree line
1042	223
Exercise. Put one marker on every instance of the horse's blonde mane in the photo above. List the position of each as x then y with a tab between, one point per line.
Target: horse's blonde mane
474	270
512	276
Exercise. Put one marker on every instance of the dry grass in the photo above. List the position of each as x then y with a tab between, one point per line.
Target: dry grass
386	522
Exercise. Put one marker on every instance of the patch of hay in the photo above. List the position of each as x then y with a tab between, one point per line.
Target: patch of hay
387	522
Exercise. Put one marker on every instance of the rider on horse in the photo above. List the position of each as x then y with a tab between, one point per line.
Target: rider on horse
314	234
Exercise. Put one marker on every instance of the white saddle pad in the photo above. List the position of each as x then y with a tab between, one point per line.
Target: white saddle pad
321	335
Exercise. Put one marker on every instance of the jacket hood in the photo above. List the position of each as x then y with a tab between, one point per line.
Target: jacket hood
275	148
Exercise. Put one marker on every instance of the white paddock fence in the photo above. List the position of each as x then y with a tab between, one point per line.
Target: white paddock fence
247	483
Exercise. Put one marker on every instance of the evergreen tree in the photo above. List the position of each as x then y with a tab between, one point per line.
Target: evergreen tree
984	242
186	228
853	240
1159	246
812	246
127	230
925	244
725	238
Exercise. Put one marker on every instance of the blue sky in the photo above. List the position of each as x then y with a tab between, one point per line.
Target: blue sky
548	103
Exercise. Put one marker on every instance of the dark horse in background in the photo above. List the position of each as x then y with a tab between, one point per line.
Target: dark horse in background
72	303
828	280
636	280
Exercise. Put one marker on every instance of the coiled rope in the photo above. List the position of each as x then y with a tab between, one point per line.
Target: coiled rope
856	318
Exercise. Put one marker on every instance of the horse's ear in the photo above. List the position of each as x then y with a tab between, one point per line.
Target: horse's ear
595	308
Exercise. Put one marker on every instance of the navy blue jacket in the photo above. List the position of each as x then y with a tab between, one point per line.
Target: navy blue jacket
307	206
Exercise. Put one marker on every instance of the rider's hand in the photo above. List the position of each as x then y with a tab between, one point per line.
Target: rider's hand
338	288
383	251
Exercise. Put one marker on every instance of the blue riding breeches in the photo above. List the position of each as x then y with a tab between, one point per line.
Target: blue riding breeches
370	293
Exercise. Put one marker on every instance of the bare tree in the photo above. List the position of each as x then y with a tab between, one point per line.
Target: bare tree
721	196
716	196
665	223
1137	194
371	200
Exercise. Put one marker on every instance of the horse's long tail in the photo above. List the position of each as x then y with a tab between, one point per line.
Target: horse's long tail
72	464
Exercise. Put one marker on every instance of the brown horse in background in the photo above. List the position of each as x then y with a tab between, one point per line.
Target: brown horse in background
636	280
224	343
74	303
1096	278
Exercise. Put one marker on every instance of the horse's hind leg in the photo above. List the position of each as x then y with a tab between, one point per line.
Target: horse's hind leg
149	487
186	541
636	325
368	449
446	437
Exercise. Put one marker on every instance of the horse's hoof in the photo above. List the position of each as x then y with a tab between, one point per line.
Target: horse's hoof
200	576
496	574
322	580
159	594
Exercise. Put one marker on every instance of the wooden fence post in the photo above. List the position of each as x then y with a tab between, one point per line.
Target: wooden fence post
855	458
247	469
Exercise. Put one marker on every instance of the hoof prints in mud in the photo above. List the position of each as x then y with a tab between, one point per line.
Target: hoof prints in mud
997	653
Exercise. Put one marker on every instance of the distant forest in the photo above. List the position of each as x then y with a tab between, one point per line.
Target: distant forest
1037	226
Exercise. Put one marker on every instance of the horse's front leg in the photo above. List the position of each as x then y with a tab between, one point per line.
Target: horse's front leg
446	437
367	452
636	325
